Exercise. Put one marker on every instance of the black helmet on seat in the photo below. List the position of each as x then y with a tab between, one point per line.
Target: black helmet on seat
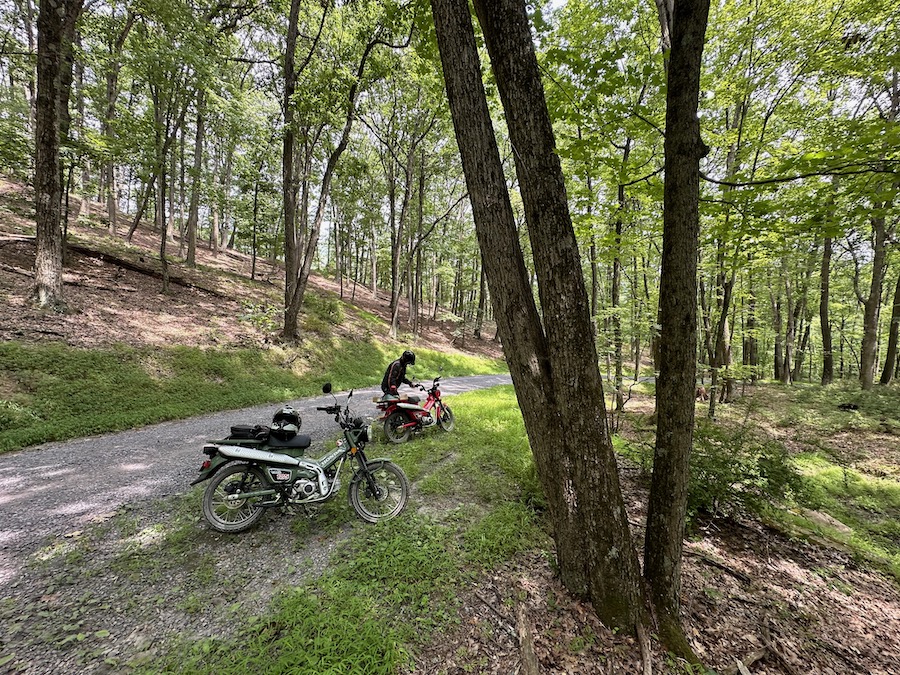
408	357
286	423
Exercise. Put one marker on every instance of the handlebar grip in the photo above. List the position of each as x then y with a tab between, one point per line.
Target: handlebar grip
325	408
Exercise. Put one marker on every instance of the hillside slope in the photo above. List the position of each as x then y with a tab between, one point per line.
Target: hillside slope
215	305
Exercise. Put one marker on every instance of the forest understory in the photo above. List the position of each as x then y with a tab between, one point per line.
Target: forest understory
784	604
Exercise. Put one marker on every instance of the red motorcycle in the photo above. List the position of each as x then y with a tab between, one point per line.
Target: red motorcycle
404	414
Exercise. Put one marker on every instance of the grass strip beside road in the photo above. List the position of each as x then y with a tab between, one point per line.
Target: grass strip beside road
51	392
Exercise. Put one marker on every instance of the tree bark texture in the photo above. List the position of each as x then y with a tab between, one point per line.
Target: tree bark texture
571	444
678	317
868	352
824	318
56	26
890	359
289	192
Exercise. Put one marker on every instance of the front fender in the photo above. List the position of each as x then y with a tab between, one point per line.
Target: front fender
371	464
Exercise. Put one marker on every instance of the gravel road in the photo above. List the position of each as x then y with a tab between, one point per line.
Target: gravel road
58	488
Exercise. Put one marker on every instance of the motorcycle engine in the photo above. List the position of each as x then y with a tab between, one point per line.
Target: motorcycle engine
304	489
427	420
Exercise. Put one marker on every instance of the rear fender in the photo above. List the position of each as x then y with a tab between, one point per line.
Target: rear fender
215	463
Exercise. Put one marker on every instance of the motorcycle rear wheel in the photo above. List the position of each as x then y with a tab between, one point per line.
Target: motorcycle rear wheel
233	516
394	429
389	497
446	420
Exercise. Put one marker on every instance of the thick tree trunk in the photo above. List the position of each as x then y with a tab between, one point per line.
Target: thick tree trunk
824	319
675	387
571	444
56	27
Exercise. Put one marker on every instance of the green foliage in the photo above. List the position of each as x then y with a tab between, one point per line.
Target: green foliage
736	470
327	308
15	146
329	629
263	316
732	470
815	409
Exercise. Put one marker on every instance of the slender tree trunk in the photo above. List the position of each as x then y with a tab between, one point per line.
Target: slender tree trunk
194	209
615	289
112	94
872	305
777	324
675	390
751	344
890	359
479	316
824	319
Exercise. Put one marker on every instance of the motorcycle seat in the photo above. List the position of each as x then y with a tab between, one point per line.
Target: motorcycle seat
300	441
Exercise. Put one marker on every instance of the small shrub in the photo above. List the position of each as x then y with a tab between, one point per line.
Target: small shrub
262	316
328	309
733	471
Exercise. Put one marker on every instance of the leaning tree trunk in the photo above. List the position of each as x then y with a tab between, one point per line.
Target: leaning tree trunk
571	444
295	299
675	387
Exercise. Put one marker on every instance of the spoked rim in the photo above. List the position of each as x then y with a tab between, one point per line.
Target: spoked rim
230	515
446	419
390	496
394	428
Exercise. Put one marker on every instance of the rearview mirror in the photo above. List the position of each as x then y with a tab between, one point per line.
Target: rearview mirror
326	388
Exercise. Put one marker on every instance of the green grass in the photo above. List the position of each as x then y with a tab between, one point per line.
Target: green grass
815	408
392	586
868	505
52	392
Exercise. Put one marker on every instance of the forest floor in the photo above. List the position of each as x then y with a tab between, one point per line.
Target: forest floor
784	604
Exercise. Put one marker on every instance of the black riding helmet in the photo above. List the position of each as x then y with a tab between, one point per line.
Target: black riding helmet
408	358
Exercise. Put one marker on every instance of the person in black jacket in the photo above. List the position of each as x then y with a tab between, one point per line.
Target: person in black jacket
395	375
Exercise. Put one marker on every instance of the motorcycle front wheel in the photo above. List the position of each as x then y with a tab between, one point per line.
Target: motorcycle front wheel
394	429
446	420
233	515
385	497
